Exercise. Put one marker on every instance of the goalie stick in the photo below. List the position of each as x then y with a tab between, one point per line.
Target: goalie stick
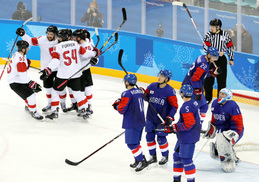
194	24
115	41
158	115
124	20
76	163
13	48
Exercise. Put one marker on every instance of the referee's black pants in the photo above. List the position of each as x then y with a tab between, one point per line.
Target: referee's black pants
221	78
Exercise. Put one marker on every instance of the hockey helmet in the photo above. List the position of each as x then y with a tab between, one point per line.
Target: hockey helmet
229	95
63	33
69	32
22	44
79	33
187	90
166	73
53	29
213	52
131	78
216	22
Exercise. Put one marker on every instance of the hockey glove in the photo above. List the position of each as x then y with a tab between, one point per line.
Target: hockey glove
34	86
45	74
198	94
168	121
29	63
231	136
94	61
97	51
116	103
170	129
215	71
20	31
211	131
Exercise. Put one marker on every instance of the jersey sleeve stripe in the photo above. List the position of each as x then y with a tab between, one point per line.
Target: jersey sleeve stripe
198	73
122	106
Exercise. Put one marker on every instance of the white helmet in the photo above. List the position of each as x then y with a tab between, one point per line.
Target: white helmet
228	97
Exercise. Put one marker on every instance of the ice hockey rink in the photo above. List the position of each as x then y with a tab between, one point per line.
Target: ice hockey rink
35	151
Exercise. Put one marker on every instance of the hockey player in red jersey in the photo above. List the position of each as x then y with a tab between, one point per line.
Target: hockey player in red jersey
163	98
188	130
66	59
227	120
46	44
132	107
19	82
82	36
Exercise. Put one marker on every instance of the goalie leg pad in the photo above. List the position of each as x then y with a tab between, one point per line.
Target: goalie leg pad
213	151
226	153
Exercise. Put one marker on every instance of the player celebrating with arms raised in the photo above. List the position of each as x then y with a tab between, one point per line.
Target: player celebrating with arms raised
228	121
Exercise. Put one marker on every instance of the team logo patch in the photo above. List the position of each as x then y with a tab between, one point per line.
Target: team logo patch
151	91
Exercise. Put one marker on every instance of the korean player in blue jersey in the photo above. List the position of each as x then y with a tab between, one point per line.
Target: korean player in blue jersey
227	120
163	98
188	130
197	74
132	107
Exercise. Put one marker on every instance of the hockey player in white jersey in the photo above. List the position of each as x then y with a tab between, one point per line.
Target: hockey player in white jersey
66	59
82	36
46	44
19	81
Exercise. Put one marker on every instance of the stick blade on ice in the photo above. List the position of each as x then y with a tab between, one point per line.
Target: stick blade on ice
71	163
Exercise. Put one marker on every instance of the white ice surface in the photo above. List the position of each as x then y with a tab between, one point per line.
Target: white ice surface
35	151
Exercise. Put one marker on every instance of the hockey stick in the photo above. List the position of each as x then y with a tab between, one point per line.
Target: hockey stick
124	20
201	149
13	48
97	35
194	24
158	115
76	163
115	41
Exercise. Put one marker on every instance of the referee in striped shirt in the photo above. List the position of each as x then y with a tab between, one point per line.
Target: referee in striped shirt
221	40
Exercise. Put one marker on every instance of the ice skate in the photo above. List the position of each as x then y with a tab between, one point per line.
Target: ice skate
163	161
135	164
26	108
53	115
152	160
74	106
141	165
83	113
36	115
63	106
47	108
89	109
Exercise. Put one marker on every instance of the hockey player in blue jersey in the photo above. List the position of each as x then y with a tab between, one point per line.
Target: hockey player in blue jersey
163	98
188	130
197	74
227	120
132	107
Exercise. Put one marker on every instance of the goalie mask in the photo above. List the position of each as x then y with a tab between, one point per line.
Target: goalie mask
226	92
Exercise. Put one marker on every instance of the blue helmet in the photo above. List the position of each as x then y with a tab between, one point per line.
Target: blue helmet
131	78
213	52
166	73
187	90
228	97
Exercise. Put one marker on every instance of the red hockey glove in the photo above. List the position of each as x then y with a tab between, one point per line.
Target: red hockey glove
34	86
116	103
170	129
215	71
45	73
20	31
168	121
97	51
211	132
198	93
